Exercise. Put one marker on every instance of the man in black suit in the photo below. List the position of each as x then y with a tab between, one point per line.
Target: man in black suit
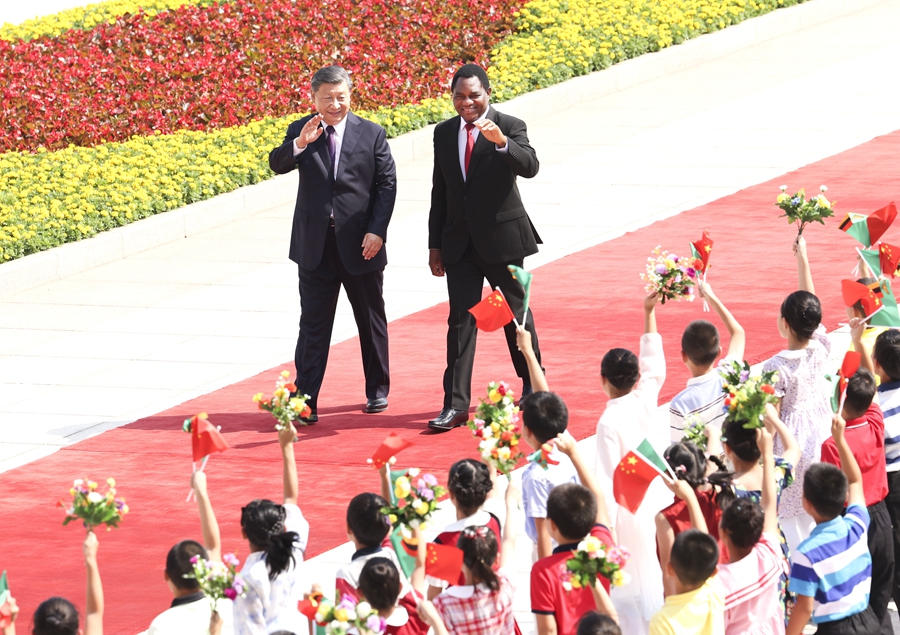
344	204
477	226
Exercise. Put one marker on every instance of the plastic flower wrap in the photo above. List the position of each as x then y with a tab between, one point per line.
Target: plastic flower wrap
593	558
797	209
283	407
496	423
93	507
746	395
417	495
673	277
693	432
349	616
218	580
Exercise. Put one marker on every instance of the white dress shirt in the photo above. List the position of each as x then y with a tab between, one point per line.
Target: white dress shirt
338	140
463	133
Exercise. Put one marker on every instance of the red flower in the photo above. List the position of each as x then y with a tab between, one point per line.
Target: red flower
766	388
306	412
291	387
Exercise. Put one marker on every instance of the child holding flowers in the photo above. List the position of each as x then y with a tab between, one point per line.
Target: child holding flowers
804	400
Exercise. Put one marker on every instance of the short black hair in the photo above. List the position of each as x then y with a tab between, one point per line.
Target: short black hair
365	519
740	440
545	414
700	342
573	508
178	563
596	623
379	582
887	353
333	74
743	522
620	367
858	307
860	393
803	313
471	70
470	482
694	557
55	616
825	487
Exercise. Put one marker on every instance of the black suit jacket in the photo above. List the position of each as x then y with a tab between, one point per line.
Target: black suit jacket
361	194
486	207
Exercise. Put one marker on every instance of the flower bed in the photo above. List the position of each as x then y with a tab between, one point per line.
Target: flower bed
50	198
203	68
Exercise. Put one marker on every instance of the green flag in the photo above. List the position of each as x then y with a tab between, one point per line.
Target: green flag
890	315
407	561
524	279
4	589
857	225
5	609
872	259
647	452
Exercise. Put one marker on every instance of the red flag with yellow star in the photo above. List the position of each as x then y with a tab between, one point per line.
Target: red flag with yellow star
443	562
701	251
880	220
492	313
205	437
889	257
854	292
635	472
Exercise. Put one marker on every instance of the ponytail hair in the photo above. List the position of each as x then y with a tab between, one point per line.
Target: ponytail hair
479	547
621	369
803	313
56	616
470	482
263	522
689	464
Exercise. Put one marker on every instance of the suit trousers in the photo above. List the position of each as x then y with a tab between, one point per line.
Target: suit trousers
465	281
319	291
893	506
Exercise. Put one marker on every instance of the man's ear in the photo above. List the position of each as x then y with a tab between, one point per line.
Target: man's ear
166	576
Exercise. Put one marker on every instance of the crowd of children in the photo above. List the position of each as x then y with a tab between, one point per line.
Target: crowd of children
764	530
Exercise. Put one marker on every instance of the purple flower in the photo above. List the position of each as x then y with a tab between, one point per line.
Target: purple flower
195	559
745	375
347	602
426	493
229	559
691	273
795	200
238	584
430	479
661	269
376	624
230	593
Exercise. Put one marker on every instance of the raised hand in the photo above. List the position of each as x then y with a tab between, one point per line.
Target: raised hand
310	132
491	132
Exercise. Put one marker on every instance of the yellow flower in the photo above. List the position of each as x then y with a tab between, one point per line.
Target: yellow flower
495	396
401	487
392	518
341	615
285	373
421	508
781	198
111	482
576	583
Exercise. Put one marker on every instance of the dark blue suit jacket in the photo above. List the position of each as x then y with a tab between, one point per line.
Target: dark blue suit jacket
361	194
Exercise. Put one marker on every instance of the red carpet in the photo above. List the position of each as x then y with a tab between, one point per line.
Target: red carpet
585	304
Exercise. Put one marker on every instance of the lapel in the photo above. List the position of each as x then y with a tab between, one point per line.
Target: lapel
351	136
452	144
321	147
481	147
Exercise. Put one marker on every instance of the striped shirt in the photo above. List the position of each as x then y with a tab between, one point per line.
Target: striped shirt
834	567
889	398
702	401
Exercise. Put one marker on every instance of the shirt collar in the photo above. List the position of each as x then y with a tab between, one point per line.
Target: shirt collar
858	422
462	122
888	385
398	617
339	127
477	519
800	353
188	599
570	546
366	551
707	376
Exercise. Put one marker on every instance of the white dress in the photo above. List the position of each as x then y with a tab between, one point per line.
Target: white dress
626	422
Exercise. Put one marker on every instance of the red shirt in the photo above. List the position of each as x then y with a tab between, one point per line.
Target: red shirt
450	535
548	597
865	436
680	518
405	618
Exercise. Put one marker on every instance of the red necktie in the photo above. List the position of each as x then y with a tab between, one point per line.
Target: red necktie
470	143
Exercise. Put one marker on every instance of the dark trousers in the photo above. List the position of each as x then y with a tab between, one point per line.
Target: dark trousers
864	623
881	547
319	291
465	281
893	508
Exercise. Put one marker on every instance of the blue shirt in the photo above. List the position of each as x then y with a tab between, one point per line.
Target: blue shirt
537	484
834	567
889	398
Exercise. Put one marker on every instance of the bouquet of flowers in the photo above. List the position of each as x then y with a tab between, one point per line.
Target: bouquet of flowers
414	504
693	432
673	277
218	580
593	558
746	396
349	616
92	507
496	423
283	407
803	212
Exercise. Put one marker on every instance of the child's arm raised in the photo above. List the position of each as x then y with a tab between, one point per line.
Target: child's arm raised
291	486
855	495
769	499
212	540
93	606
384	477
566	444
603	602
650	303
737	337
538	381
683	490
508	545
775	425
857	328
804	275
417	579
13	614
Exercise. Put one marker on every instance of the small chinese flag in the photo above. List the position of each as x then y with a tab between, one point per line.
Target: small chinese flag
390	447
854	292
889	257
880	220
635	472
492	313
702	249
205	437
5	609
309	606
443	562
848	368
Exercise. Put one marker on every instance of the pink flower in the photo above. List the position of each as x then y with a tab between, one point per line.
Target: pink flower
230	593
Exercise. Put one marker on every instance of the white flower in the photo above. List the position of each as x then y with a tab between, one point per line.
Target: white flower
95	497
567	585
363	610
582	546
822	188
413	472
414	523
784	188
78	482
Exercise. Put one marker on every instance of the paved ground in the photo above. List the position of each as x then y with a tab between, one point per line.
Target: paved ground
131	338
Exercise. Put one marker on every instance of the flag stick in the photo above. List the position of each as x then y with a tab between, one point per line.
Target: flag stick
498	290
202	465
866	319
705	303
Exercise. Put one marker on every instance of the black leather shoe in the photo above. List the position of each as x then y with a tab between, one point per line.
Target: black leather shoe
526	390
448	419
377	405
311	419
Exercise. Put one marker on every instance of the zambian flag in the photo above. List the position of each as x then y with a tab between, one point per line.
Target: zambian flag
635	472
857	225
872	258
5	612
890	315
524	279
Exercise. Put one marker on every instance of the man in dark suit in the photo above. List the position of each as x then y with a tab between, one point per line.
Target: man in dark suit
477	226
344	204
